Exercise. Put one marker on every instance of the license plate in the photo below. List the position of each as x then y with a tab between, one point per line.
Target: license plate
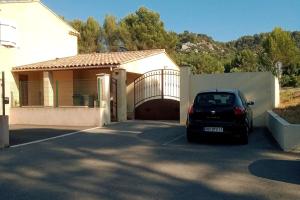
214	129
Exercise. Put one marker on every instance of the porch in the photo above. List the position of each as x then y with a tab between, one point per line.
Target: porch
82	97
58	88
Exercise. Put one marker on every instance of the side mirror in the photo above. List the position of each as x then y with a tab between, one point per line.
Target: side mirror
250	103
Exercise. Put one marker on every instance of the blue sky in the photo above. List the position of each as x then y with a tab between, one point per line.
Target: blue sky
224	20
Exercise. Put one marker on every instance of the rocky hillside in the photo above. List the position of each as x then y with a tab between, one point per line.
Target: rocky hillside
192	42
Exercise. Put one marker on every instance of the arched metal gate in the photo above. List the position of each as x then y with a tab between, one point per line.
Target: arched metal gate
157	85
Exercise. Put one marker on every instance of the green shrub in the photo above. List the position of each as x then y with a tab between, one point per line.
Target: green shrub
289	81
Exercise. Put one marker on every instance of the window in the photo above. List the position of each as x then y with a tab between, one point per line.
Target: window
215	99
8	33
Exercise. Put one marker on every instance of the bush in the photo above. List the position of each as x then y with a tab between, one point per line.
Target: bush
289	81
298	81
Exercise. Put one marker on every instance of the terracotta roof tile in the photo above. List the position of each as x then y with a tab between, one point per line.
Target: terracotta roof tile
93	60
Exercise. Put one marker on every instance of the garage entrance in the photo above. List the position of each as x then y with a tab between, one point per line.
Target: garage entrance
157	94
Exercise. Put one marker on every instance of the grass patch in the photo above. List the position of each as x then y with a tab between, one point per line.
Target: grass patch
289	97
290	113
289	105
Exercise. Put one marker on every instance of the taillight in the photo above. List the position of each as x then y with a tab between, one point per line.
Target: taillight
238	111
191	110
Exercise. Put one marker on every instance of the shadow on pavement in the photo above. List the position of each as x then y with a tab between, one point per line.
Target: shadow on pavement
279	170
19	134
119	162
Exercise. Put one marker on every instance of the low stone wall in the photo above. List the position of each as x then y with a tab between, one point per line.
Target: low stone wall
62	116
287	135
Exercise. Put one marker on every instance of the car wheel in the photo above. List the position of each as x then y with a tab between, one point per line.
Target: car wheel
244	136
189	136
251	126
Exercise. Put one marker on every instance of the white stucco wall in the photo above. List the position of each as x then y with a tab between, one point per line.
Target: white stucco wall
7	59
68	116
41	36
158	61
260	87
287	135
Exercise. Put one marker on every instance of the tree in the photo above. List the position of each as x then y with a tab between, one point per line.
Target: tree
296	37
89	39
79	26
144	30
280	47
111	33
244	61
200	63
91	35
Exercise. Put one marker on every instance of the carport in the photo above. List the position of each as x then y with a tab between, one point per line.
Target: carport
157	95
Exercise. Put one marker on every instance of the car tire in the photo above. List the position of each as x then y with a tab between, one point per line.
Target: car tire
244	139
244	136
189	136
251	126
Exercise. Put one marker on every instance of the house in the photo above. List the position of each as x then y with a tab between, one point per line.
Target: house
70	83
29	33
48	83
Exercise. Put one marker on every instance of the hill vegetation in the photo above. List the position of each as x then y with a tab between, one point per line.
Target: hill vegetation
277	51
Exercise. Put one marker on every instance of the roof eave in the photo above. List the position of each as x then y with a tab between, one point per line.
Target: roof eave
21	69
76	33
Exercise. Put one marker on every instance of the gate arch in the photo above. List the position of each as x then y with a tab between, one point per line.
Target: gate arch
154	92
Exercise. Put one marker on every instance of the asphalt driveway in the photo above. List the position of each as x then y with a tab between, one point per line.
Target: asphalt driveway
148	160
20	134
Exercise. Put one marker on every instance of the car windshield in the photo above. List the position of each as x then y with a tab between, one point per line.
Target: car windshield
215	99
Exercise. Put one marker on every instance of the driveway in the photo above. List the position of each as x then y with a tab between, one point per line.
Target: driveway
148	160
20	134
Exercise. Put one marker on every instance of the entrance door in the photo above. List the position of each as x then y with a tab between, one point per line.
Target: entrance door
23	87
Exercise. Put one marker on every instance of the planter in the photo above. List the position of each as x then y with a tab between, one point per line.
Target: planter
287	135
4	132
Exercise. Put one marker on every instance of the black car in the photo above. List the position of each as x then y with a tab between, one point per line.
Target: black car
220	112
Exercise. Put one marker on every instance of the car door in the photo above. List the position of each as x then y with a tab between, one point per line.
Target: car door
247	107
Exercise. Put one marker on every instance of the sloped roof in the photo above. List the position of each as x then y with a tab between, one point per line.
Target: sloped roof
92	60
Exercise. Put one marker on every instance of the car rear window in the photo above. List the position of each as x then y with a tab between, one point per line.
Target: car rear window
215	99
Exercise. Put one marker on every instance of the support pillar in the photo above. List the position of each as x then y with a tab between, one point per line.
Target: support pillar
275	91
4	131
103	88
15	90
120	76
48	88
185	75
